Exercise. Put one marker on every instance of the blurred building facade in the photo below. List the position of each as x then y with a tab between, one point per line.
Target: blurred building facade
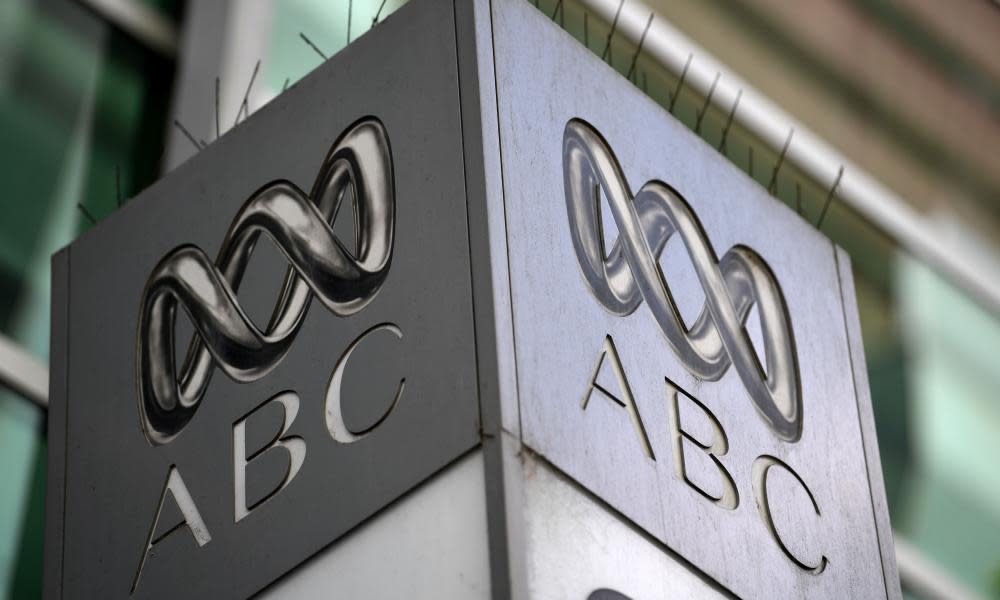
877	120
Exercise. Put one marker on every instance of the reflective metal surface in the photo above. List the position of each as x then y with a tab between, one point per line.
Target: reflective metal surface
359	165
629	272
578	549
585	250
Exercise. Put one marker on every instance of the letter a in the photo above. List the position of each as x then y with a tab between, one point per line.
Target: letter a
189	512
627	401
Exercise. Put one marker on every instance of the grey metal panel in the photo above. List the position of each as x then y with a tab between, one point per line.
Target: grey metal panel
507	518
560	328
866	415
114	476
576	545
491	292
487	215
57	418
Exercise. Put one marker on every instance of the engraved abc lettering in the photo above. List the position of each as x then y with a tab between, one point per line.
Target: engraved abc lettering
191	519
610	353
338	429
759	472
295	446
719	446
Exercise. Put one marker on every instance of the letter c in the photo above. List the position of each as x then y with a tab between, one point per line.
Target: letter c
334	402
759	471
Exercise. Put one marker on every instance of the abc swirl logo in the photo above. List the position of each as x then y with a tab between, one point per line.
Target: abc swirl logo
627	274
300	226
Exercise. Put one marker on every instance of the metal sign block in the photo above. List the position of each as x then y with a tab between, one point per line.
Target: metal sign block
686	346
309	399
447	243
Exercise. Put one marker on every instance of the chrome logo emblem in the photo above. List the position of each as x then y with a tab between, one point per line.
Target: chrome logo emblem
300	226
628	273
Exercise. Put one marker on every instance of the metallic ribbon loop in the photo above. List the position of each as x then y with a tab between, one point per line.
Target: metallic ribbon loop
299	224
630	273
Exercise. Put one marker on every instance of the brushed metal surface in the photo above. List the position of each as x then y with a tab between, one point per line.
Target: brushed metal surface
577	548
560	331
880	505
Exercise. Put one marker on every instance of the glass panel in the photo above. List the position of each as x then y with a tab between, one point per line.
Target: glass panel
82	113
22	496
48	80
949	487
325	24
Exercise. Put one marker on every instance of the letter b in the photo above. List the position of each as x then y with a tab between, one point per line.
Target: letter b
730	498
294	445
